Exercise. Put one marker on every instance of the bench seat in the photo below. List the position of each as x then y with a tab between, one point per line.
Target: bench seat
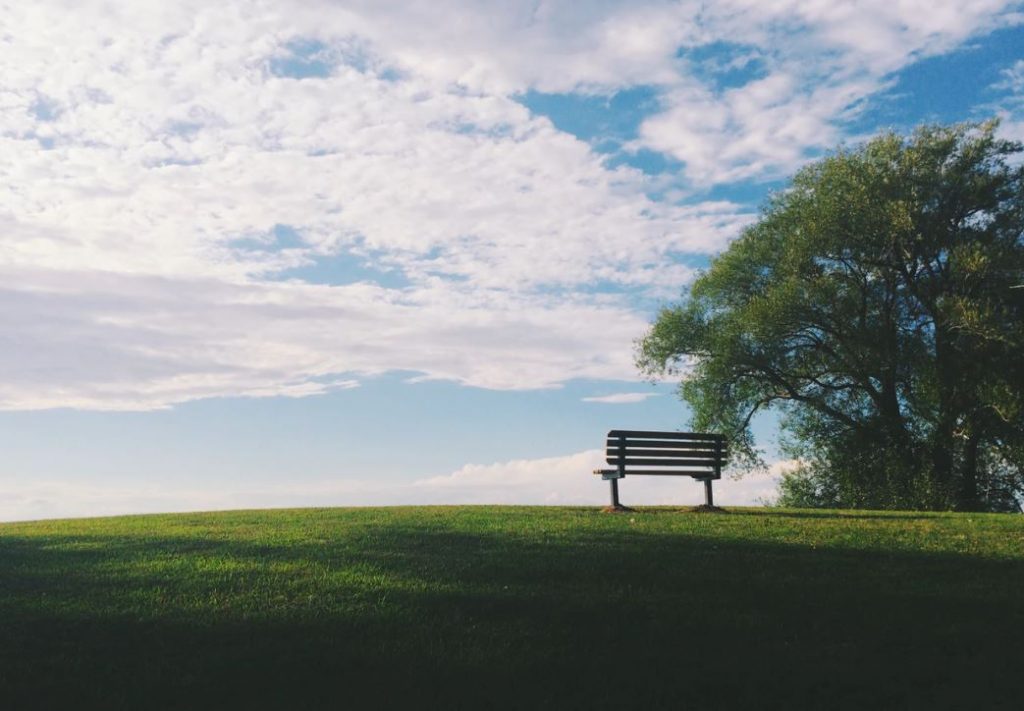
700	455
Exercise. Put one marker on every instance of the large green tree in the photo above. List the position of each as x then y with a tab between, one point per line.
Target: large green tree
873	305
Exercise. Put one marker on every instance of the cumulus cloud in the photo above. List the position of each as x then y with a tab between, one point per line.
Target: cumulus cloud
156	161
563	480
172	169
764	129
821	62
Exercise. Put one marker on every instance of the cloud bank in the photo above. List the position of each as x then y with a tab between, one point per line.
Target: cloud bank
564	480
277	198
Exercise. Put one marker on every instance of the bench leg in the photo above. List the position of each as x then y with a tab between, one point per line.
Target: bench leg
615	493
708	498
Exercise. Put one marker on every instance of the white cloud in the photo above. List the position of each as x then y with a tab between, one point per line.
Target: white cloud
766	128
822	61
620	398
1010	129
1009	106
1013	78
148	162
564	480
568	480
140	263
110	341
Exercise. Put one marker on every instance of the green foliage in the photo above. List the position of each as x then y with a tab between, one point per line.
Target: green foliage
872	304
804	488
512	607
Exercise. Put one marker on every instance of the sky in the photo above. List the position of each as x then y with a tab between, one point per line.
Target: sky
263	253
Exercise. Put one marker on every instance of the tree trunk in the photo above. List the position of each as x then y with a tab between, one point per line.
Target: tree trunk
967	498
942	467
943	443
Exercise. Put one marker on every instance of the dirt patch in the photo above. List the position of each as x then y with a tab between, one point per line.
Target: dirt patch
704	508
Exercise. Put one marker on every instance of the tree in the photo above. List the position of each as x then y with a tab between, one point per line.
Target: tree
872	305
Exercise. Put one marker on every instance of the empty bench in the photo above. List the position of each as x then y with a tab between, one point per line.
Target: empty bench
632	452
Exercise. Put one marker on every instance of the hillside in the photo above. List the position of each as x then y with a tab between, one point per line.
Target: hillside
513	607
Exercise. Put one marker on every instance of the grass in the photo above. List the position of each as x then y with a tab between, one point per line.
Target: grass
513	607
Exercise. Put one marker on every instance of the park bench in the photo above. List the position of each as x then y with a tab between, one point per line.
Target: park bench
695	454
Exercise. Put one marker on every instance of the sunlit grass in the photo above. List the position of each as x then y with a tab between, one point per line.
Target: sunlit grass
514	607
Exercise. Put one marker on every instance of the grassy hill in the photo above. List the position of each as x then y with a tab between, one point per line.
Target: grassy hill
513	607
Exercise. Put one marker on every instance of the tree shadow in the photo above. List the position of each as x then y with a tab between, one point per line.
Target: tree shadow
832	514
788	513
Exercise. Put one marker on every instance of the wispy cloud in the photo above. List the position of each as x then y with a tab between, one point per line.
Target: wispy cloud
563	480
1013	79
1009	104
114	341
620	398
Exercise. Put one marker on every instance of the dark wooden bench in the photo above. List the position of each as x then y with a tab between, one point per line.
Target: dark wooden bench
696	454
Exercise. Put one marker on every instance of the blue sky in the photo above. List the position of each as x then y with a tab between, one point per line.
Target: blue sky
246	245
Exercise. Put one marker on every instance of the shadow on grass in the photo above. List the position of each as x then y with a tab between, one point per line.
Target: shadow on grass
824	514
415	616
788	513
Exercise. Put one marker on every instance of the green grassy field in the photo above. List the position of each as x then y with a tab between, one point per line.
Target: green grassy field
513	607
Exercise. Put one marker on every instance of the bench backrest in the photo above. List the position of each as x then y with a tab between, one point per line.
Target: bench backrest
695	454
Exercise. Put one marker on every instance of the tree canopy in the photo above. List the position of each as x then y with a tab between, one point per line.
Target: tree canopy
873	305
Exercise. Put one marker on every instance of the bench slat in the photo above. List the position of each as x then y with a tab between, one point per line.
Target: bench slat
667	461
641	461
699	473
644	452
656	444
646	434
